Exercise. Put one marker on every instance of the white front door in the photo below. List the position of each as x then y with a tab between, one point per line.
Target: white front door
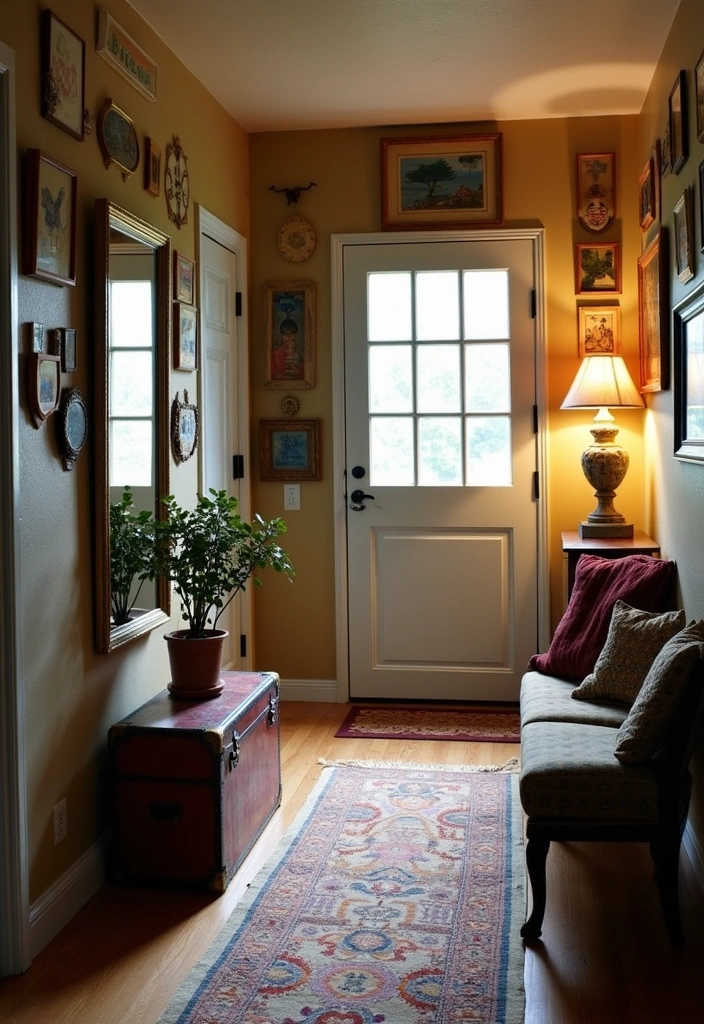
439	360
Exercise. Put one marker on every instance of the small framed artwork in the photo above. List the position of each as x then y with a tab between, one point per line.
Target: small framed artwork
35	333
118	139
72	426
43	385
596	190
684	257
125	55
50	221
646	195
289	449
656	158
599	331
63	64
665	152
688	328
289	334
184	428
450	181
653	314
185	337
184	279
598	268
701	205
152	167
68	349
677	109
699	93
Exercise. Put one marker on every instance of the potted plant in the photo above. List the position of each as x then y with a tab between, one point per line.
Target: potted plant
131	555
209	553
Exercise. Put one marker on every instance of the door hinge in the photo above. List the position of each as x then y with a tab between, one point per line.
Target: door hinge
536	485
238	303
243	645
238	467
535	419
533	304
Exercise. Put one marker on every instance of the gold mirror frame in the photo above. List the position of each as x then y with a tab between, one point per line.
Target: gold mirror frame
109	216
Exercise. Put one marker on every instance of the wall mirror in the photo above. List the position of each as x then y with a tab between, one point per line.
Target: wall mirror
132	335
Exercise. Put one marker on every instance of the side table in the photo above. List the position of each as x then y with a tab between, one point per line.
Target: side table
609	547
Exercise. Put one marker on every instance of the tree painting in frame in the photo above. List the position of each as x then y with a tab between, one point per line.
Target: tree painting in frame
599	331
63	75
50	222
289	335
653	316
289	450
598	268
596	190
185	337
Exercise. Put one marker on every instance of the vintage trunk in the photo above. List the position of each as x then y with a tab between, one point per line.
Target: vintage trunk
193	784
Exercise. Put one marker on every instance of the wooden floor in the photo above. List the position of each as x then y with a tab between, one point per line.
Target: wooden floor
604	959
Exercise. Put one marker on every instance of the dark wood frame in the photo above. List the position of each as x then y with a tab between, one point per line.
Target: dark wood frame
677	119
40	410
646	195
689	449
33	201
179	362
580	248
653	316
684	249
699	96
67	349
69	445
701	205
303	294
152	167
181	261
50	89
268	470
585	192
181	452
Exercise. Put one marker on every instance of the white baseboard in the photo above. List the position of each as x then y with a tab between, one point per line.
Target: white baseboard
55	908
693	849
322	690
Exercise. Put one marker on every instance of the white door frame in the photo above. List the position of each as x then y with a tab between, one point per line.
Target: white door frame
337	245
209	225
14	868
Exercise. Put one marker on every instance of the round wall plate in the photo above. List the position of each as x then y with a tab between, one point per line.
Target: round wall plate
296	239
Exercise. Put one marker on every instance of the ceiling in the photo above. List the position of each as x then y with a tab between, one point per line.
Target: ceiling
278	65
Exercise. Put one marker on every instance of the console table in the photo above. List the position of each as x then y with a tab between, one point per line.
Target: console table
608	547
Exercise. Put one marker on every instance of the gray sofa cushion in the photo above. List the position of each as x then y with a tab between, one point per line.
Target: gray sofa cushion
548	699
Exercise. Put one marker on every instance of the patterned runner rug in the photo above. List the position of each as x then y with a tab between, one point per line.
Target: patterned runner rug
477	724
396	898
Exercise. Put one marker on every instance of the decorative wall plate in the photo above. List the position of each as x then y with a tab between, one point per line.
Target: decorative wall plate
184	428
296	239
176	183
72	426
118	139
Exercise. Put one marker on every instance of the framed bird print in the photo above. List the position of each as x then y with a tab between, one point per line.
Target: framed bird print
50	220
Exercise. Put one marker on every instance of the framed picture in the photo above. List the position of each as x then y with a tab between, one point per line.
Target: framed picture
596	190
72	426
184	428
665	152
50	220
701	205
699	93
677	109
289	334
63	65
68	349
450	181
184	279
688	329
289	449
646	195
684	258
152	167
35	333
598	268
117	139
185	337
43	385
653	314
656	158
599	331
129	59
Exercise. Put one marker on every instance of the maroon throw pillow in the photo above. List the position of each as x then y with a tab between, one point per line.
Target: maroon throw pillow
639	580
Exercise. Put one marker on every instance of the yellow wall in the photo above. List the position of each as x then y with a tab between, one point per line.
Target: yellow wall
73	695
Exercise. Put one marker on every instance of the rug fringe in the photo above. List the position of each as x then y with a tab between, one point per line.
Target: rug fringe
512	765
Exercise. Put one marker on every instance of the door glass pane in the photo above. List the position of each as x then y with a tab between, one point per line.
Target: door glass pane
389	307
488	451
437	306
440	451
390	378
438	376
131	388
131	314
485	304
130	453
391	454
487	384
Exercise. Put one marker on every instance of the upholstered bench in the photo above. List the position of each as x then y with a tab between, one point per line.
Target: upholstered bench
605	757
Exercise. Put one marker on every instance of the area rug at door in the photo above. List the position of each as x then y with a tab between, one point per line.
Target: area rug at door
476	724
397	897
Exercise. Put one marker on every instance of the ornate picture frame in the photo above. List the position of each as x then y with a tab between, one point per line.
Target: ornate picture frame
185	327
597	268
684	247
184	428
289	450
63	64
152	167
599	331
50	220
43	385
117	138
646	195
184	279
596	190
677	121
72	426
688	330
289	334
653	316
443	181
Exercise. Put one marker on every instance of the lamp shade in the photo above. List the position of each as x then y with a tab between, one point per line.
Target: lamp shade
603	381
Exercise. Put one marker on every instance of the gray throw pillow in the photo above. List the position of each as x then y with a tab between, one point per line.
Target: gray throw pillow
634	639
646	729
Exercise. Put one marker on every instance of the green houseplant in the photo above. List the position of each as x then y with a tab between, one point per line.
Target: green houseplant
131	555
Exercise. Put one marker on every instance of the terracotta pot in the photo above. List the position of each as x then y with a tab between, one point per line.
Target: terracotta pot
195	664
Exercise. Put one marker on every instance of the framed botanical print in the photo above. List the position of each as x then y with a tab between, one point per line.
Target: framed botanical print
653	316
50	220
63	75
598	268
599	331
289	449
684	242
688	325
185	337
677	107
289	334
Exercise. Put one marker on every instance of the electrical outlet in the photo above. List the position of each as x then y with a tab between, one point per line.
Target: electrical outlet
292	497
60	822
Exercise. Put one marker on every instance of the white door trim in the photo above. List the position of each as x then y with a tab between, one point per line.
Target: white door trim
15	954
337	246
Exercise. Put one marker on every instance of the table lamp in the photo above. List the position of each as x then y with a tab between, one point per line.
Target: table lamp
602	382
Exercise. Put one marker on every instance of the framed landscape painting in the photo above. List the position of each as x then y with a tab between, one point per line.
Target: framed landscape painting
441	181
598	268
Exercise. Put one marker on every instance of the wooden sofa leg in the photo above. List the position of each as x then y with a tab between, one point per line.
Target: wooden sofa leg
665	852
536	856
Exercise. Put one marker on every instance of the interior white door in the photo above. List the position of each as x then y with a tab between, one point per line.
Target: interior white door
439	343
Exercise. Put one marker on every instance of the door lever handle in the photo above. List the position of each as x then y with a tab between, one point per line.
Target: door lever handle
357	499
